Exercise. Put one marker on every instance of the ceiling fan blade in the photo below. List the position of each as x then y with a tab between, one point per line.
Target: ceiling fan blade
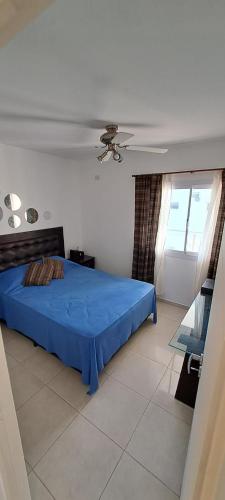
105	156
108	156
36	119
121	137
147	149
54	146
71	146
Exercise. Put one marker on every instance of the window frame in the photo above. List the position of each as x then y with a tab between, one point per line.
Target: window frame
190	185
187	221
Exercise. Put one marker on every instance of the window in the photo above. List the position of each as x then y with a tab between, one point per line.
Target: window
187	218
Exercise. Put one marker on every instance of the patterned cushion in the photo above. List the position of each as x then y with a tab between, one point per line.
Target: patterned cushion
38	274
58	268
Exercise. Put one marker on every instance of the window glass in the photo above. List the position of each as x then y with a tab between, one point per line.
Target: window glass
178	226
177	219
200	201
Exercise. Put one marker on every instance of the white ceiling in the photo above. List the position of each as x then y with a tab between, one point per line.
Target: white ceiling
157	67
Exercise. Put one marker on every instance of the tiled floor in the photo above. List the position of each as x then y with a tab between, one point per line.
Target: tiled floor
127	442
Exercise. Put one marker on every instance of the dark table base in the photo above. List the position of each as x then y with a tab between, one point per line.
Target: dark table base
188	384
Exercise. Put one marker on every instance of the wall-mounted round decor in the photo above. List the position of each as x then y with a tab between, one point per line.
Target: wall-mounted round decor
31	215
14	221
1	213
12	201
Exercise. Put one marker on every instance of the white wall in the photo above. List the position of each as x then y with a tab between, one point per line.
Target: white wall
179	279
43	182
107	203
104	223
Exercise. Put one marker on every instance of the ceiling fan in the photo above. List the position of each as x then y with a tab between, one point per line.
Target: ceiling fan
47	127
114	143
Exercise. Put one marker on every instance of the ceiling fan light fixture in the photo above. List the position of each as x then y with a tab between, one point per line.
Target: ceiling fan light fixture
116	156
121	159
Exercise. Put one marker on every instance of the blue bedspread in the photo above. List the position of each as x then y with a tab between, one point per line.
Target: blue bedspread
84	318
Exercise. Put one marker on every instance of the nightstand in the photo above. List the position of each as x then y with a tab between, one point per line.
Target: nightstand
86	260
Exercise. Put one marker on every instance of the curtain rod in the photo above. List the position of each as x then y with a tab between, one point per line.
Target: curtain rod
181	172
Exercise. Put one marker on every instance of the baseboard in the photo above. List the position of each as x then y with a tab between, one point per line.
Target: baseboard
178	304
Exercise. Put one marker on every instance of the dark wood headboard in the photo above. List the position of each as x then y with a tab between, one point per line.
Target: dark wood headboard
21	248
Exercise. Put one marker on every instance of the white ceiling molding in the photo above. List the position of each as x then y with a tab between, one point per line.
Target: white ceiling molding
16	14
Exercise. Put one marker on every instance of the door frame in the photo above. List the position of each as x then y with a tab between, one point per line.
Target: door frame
204	477
13	475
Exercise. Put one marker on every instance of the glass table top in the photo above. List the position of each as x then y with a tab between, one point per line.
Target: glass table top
191	334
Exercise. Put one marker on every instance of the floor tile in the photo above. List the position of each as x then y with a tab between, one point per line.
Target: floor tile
28	467
115	410
160	444
130	481
165	397
162	330
70	454
44	365
41	420
37	489
152	348
168	310
11	362
118	357
177	362
68	384
79	463
20	347
24	385
140	374
7	334
152	341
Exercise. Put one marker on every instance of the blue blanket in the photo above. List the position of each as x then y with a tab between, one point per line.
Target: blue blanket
84	318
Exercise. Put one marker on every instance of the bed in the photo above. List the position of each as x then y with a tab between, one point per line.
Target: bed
85	318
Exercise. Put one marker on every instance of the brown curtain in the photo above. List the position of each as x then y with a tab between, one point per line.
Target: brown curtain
218	233
148	193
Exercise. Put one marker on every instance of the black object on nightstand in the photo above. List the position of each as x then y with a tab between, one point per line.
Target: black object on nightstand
83	260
